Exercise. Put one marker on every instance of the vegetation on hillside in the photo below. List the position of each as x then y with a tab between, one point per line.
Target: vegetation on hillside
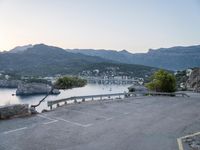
69	82
118	69
162	81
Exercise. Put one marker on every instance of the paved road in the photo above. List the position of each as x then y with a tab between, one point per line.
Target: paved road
143	123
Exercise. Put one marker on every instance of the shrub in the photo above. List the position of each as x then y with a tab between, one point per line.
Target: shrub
69	82
162	81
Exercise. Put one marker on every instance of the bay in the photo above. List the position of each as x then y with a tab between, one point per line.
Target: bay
7	97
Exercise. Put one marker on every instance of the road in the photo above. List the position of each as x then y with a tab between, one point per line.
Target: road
141	123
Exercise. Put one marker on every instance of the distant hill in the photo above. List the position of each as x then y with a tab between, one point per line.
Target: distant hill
41	59
19	49
121	56
174	58
44	60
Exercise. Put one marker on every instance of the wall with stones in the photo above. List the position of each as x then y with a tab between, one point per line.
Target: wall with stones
16	110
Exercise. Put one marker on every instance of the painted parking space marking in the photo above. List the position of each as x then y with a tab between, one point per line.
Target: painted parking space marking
75	123
126	113
68	121
99	116
44	116
108	119
50	119
15	130
111	111
50	122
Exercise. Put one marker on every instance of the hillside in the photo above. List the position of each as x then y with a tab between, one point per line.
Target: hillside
44	60
115	69
174	58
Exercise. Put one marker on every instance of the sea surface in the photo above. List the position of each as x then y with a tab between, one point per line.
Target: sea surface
7	96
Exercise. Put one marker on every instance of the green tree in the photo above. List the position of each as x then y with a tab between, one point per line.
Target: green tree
162	81
69	82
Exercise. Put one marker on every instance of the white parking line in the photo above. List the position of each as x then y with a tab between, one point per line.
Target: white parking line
108	119
126	113
75	123
100	116
10	131
50	122
43	116
121	113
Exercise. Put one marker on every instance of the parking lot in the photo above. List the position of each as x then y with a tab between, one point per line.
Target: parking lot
137	123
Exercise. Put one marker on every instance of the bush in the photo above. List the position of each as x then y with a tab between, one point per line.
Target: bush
162	81
69	82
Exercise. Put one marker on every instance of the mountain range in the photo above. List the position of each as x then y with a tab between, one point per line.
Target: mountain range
174	58
41	59
44	60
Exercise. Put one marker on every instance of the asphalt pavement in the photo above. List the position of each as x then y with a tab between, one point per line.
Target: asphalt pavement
137	123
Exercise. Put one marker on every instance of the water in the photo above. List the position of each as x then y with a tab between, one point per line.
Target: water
6	96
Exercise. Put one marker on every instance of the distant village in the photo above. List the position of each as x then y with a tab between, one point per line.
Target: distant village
186	79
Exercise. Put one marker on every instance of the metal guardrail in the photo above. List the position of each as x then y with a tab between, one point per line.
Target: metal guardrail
108	96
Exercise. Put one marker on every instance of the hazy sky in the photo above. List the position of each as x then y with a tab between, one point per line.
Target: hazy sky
135	25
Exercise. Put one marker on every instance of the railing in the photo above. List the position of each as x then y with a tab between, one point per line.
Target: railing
165	94
75	99
90	97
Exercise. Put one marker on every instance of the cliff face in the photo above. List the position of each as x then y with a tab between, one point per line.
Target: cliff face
9	83
34	88
194	80
174	58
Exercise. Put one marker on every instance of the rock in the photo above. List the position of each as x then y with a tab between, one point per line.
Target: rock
33	111
45	110
194	146
16	110
193	81
55	91
137	88
35	88
9	83
189	140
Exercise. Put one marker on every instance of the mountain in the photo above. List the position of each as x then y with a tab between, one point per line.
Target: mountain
121	56
20	48
41	59
174	58
44	60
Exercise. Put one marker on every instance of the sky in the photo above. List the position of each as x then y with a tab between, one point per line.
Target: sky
134	25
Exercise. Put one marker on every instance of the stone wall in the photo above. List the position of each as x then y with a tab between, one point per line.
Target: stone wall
16	110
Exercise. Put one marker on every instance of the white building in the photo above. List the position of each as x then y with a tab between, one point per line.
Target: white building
188	72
